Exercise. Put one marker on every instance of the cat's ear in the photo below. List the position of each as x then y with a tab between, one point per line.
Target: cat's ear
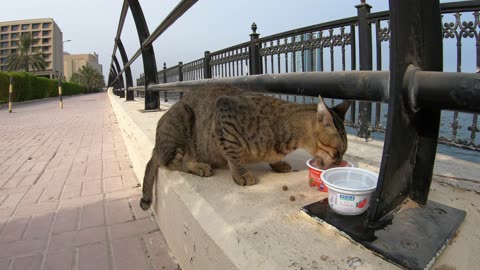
323	114
342	108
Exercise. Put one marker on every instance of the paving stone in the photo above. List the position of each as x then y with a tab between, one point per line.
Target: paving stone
93	257
20	189
78	238
113	184
37	209
28	263
130	253
32	196
72	191
92	215
132	228
92	187
5	263
14	230
66	220
157	250
6	212
22	247
123	194
119	211
39	227
13	182
12	200
62	260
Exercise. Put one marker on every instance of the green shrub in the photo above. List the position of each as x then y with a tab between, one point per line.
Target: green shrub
28	87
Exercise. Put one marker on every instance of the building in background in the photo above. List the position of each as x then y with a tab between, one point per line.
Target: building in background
73	62
47	40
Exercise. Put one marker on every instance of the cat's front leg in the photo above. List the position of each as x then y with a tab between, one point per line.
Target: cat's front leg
281	166
241	175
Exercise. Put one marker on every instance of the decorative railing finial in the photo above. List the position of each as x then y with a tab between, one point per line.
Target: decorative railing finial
254	28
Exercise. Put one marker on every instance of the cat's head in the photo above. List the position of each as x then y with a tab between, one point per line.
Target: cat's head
329	136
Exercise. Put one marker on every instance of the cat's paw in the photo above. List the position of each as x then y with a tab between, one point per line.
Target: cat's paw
201	169
145	204
246	179
281	167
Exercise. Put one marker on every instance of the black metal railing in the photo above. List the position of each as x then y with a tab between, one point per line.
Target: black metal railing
322	60
313	48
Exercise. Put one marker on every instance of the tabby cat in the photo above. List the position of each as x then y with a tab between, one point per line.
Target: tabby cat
217	126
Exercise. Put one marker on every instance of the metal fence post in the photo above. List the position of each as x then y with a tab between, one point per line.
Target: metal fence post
165	81
412	133
164	72
365	55
10	92
180	71
128	72
60	92
152	99
121	93
207	69
255	61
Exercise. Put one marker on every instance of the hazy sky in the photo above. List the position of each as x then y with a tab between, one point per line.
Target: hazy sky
91	25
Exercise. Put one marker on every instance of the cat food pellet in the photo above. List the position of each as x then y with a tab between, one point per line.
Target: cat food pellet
292	198
284	188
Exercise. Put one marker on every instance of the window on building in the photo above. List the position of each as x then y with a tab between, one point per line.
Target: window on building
12	51
45	40
46	25
4	28
45	33
3	52
35	41
36	33
3	60
15	27
45	48
14	35
4	36
35	25
4	68
4	44
14	43
25	26
45	56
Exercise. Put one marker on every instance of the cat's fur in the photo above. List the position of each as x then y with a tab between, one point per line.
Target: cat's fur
222	125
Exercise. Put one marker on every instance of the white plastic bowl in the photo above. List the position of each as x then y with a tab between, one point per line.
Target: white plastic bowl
349	189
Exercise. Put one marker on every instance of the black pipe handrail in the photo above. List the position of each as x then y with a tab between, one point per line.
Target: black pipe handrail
451	91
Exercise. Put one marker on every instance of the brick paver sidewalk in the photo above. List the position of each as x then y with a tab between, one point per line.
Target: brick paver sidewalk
68	195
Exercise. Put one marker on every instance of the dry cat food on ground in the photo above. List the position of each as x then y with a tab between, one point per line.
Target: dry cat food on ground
284	188
292	198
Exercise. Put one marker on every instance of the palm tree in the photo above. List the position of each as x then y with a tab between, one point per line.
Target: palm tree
88	77
24	58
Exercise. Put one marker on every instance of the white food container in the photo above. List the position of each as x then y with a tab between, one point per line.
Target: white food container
349	189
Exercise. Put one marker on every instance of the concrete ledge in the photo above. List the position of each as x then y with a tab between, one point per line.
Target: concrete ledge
211	223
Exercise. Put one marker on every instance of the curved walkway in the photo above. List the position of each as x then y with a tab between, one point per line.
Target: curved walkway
68	194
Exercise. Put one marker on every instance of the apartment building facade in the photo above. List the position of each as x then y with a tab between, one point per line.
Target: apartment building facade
73	62
48	40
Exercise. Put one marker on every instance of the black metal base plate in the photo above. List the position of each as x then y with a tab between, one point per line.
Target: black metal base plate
413	238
